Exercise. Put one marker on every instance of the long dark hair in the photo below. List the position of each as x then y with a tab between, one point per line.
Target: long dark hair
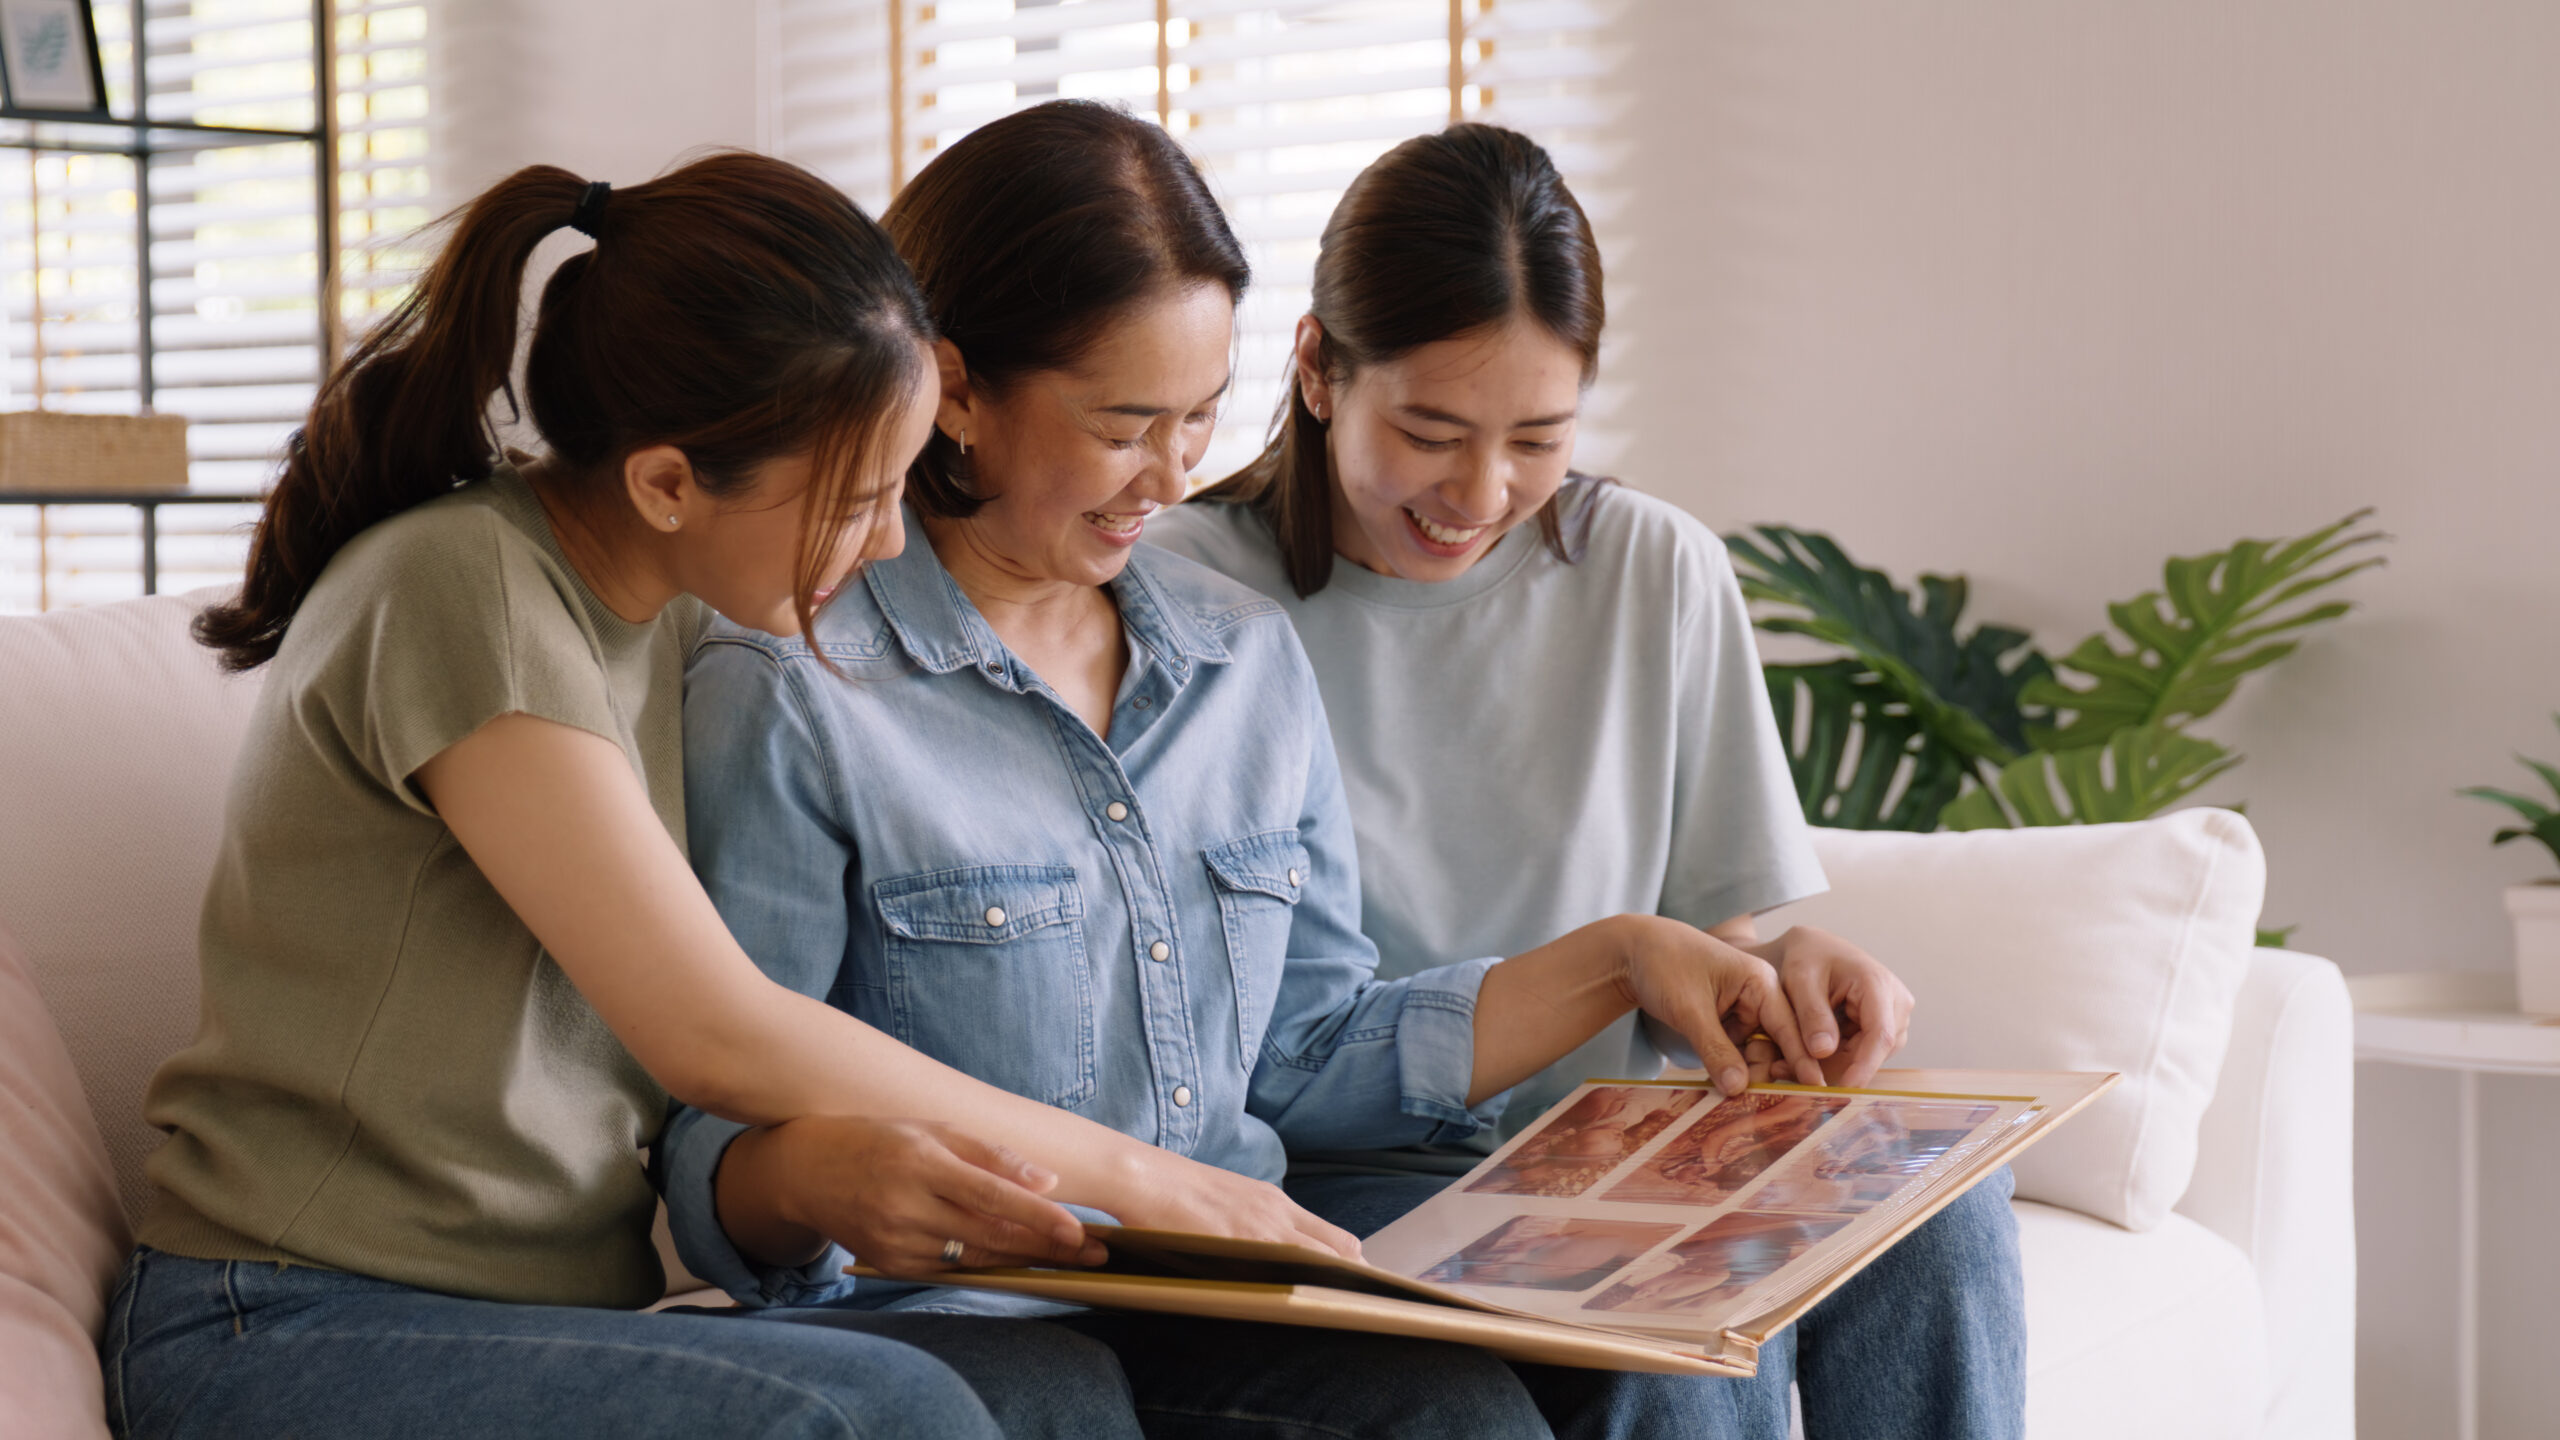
1444	235
738	308
1032	234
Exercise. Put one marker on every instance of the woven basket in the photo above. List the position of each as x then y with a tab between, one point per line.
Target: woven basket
49	450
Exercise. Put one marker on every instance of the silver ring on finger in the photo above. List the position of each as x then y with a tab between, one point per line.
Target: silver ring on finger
950	1252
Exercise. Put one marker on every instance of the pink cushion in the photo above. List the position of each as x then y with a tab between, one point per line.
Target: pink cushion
62	1234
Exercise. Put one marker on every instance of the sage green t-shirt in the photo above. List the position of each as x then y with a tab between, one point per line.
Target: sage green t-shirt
389	1076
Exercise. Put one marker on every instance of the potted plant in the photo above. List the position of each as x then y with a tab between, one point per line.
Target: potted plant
2534	908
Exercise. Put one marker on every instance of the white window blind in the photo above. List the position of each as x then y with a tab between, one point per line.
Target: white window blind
1283	104
235	330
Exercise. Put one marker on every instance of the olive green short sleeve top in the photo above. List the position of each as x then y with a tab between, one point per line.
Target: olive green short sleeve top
389	1075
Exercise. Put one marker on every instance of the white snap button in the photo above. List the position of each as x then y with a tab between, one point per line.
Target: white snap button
995	915
1116	810
1159	951
1182	1096
1293	876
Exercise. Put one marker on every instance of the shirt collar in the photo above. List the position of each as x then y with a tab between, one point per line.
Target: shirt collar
940	629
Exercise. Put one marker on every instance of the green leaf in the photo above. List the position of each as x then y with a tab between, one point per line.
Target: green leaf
2188	644
2137	774
2524	805
2275	939
1850	739
2550	773
1963	690
2545	830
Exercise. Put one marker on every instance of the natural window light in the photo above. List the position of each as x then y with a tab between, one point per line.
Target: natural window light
234	328
1284	103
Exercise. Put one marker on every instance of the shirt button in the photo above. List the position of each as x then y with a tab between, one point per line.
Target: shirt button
1293	876
995	915
1116	810
1142	702
1159	951
1182	1096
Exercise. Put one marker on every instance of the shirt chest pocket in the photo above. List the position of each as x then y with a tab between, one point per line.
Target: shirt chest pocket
987	973
1258	880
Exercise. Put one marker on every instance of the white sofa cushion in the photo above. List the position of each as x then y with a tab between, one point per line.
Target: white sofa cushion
2139	1336
2275	1175
116	739
2088	947
61	1237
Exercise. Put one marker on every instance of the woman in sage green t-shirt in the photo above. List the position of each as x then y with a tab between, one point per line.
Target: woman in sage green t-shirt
452	950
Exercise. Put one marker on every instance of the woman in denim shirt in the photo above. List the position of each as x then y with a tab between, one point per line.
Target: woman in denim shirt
1063	812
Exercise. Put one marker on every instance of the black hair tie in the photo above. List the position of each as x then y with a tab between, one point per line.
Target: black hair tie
590	208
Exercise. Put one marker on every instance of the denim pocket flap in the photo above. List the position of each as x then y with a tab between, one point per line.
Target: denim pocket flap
1272	863
981	905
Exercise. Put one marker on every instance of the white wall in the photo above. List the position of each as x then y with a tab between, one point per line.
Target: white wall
2045	293
611	89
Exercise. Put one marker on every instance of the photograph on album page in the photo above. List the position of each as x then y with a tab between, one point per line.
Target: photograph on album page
1667	1207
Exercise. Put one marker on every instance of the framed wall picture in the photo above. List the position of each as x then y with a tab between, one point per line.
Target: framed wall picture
49	58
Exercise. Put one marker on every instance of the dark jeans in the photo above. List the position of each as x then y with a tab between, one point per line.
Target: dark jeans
1196	1379
1929	1340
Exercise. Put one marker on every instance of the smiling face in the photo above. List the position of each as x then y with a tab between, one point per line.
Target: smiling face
1072	462
1438	453
742	555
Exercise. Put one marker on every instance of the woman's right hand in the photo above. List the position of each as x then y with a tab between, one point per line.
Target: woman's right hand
1170	1192
895	1193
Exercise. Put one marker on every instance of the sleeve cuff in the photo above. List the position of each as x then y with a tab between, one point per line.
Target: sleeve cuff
1436	1050
694	1144
1756	894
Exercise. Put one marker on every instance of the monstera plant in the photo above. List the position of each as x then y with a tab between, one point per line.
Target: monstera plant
1916	722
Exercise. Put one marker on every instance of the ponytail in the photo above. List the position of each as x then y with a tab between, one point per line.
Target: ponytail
738	308
402	420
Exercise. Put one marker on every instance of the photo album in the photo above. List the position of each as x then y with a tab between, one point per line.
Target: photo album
1637	1225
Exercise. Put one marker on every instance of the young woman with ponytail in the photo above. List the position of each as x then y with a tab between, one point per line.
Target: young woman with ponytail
452	950
1548	709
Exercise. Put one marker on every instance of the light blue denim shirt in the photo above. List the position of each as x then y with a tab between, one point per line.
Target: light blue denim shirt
1159	931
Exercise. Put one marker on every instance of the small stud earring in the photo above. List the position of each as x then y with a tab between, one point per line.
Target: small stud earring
672	522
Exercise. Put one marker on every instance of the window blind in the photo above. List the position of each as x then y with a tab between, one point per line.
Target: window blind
234	267
1283	103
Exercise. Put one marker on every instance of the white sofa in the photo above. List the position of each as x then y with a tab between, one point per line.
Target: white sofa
2232	1315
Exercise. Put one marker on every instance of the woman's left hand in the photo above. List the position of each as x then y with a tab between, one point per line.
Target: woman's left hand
1851	1011
1714	993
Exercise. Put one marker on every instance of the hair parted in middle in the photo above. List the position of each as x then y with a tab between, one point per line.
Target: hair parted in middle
1032	234
1445	235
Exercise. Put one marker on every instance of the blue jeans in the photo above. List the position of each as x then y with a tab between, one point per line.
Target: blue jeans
213	1348
209	1348
1929	1340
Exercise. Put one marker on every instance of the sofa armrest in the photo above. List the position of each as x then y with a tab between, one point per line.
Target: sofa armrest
2275	1176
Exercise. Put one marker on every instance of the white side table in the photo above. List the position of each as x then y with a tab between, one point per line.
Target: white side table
2465	1021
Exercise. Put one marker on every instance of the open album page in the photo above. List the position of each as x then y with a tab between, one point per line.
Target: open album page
1667	1209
